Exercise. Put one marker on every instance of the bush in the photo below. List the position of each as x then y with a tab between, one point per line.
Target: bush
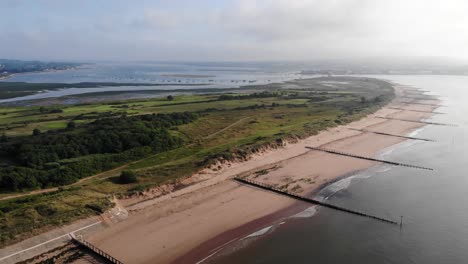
127	177
45	210
95	207
36	132
71	125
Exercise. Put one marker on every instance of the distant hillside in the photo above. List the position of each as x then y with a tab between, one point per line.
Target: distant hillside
8	67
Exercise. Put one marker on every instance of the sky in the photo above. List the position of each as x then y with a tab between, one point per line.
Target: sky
232	30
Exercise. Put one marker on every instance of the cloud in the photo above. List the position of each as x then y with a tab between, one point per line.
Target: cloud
236	30
296	19
155	19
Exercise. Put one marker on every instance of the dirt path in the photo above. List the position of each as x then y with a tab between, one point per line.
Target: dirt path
228	127
64	186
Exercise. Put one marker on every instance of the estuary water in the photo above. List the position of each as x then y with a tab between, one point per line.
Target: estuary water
220	73
170	75
434	204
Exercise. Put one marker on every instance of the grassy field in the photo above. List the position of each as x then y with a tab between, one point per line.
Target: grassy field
228	128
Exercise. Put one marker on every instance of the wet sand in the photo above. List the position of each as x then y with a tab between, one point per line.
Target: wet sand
189	225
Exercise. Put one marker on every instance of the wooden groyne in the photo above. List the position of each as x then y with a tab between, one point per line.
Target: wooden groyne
438	105
419	111
391	135
96	250
416	121
310	200
416	90
368	158
414	94
420	98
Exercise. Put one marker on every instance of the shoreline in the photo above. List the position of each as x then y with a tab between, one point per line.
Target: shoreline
210	248
231	240
186	224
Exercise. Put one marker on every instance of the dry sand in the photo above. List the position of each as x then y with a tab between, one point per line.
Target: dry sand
185	225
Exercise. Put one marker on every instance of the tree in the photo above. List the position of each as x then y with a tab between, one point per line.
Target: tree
96	146
170	97
127	177
363	100
36	132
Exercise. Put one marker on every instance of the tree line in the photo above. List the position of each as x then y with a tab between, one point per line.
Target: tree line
63	156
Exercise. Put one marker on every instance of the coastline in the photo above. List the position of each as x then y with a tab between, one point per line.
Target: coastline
185	225
10	75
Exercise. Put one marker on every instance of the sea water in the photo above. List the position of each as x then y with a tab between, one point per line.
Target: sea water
434	204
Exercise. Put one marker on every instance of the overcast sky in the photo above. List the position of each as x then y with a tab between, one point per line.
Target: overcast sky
232	30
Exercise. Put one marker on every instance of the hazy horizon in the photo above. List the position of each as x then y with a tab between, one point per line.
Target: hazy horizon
242	30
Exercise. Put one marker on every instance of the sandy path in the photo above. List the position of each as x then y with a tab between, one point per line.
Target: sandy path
163	229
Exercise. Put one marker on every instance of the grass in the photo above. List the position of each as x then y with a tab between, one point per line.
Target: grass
24	217
226	128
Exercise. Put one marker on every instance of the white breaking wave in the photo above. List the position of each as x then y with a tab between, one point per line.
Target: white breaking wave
344	183
309	212
417	131
259	232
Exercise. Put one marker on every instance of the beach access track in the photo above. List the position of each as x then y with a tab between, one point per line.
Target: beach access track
85	244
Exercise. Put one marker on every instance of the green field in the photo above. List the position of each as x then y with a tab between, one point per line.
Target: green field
229	126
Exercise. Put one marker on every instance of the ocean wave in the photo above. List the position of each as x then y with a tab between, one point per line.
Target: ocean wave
417	131
388	151
259	232
342	184
307	213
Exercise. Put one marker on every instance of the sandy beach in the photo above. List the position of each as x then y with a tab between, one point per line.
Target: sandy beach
189	224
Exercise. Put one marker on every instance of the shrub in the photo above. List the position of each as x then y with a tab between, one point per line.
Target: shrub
71	125
36	132
95	207
45	210
127	177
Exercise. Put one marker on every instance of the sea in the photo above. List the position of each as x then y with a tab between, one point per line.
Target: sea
433	205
